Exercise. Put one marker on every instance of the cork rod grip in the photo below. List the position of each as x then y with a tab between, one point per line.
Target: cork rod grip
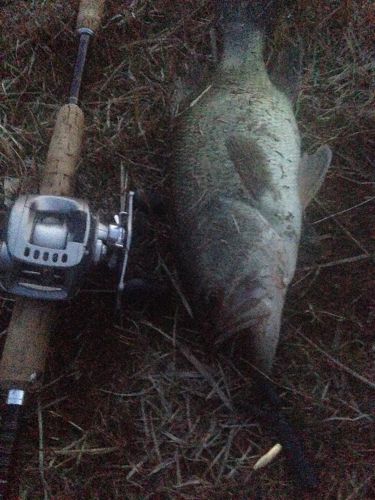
26	345
63	153
90	14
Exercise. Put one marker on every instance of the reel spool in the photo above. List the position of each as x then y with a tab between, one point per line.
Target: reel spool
51	242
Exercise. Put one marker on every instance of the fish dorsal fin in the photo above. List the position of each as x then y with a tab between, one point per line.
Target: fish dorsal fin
312	171
250	162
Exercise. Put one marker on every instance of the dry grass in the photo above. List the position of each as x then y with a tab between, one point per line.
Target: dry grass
142	409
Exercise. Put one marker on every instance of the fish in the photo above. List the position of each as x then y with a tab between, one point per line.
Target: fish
239	185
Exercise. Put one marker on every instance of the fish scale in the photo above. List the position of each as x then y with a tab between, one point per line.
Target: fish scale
220	115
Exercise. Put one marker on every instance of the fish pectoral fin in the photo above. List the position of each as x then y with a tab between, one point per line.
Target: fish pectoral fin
312	171
250	162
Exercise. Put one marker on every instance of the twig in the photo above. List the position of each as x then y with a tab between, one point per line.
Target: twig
197	99
41	452
338	363
195	362
339	262
344	211
86	451
213	43
356	491
206	374
228	446
240	461
154	438
343	228
178	470
178	290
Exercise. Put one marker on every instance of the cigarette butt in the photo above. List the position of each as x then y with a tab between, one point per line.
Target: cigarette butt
268	457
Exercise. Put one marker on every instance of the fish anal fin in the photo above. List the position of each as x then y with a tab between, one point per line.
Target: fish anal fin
312	171
250	162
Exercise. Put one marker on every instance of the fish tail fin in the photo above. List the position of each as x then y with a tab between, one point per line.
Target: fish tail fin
259	14
244	24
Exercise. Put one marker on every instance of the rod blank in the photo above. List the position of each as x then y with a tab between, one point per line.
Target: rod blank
84	41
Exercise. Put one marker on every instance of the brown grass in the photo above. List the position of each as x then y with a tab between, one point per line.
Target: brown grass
142	409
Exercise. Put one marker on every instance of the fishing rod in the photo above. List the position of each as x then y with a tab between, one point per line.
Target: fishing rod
50	241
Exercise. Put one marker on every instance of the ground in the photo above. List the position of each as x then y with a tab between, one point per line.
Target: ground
136	407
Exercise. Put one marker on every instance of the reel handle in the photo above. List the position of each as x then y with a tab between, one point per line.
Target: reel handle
90	14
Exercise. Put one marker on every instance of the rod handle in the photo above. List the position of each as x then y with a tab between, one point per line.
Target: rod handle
25	350
26	344
90	14
63	153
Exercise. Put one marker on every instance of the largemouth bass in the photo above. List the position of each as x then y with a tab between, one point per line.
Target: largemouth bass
239	185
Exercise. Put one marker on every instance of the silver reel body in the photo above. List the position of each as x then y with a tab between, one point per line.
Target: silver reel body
50	242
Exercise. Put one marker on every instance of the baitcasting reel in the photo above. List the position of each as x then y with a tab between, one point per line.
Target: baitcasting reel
50	242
